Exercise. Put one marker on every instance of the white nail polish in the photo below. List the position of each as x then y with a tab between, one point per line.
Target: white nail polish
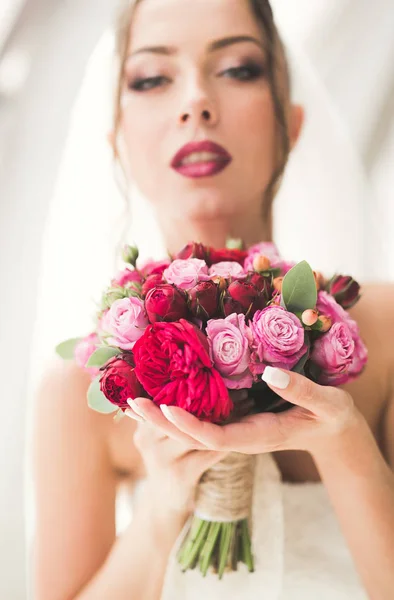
166	412
135	407
276	377
132	415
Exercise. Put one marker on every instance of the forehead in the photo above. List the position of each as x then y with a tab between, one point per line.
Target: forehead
186	23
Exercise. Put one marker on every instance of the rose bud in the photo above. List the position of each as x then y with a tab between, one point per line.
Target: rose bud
220	282
130	254
261	263
263	284
243	297
345	290
309	317
277	283
204	300
166	303
119	382
193	250
324	323
150	282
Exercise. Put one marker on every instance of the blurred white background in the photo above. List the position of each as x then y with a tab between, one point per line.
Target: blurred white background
44	46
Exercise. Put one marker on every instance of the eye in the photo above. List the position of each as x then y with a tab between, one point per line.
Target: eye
142	85
245	72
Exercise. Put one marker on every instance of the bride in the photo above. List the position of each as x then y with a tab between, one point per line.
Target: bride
213	74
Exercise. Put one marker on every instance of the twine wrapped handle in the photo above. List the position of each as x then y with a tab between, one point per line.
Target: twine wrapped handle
224	493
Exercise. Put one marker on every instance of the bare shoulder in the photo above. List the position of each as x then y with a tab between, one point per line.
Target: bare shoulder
374	314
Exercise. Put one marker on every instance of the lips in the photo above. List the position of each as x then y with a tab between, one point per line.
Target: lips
203	168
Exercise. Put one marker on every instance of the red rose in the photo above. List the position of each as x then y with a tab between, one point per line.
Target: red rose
193	250
173	364
119	382
243	297
345	290
155	267
151	282
165	303
225	254
204	300
262	284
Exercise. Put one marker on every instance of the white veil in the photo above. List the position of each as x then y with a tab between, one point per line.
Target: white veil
318	213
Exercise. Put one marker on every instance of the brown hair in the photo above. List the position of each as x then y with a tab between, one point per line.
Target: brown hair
277	73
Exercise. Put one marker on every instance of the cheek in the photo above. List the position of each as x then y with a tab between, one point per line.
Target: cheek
143	150
257	133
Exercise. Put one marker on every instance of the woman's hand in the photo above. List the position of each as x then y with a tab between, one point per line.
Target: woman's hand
320	414
173	468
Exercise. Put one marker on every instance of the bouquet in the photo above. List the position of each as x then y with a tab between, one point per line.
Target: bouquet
197	330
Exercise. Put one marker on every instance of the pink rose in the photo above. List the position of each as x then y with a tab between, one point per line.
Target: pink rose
286	266
267	249
229	341
186	273
84	350
278	339
126	276
227	269
334	353
360	357
327	305
126	322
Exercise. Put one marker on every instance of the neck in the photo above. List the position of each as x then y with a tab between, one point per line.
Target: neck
214	232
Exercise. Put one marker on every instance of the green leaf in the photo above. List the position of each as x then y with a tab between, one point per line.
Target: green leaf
234	244
101	356
66	349
299	367
299	288
96	399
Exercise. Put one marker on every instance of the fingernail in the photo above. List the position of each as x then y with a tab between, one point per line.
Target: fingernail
167	413
132	415
276	377
135	407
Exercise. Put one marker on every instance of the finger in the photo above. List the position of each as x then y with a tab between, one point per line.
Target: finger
300	390
235	436
171	450
152	414
129	412
199	461
151	432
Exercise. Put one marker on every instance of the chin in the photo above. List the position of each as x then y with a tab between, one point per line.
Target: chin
205	207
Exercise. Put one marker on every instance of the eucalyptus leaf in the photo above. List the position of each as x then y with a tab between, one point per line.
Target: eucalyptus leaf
66	349
299	291
299	367
101	356
96	399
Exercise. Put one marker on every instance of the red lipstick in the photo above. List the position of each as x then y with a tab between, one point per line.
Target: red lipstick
205	167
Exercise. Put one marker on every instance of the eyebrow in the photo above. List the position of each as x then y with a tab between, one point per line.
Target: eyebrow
215	45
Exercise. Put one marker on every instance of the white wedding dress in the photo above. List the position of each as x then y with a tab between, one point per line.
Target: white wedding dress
299	550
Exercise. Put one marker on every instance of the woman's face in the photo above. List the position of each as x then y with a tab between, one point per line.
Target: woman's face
191	92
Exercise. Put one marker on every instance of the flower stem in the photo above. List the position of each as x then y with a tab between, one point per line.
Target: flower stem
192	549
246	546
209	546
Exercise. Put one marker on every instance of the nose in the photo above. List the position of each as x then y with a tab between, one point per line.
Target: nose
199	108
